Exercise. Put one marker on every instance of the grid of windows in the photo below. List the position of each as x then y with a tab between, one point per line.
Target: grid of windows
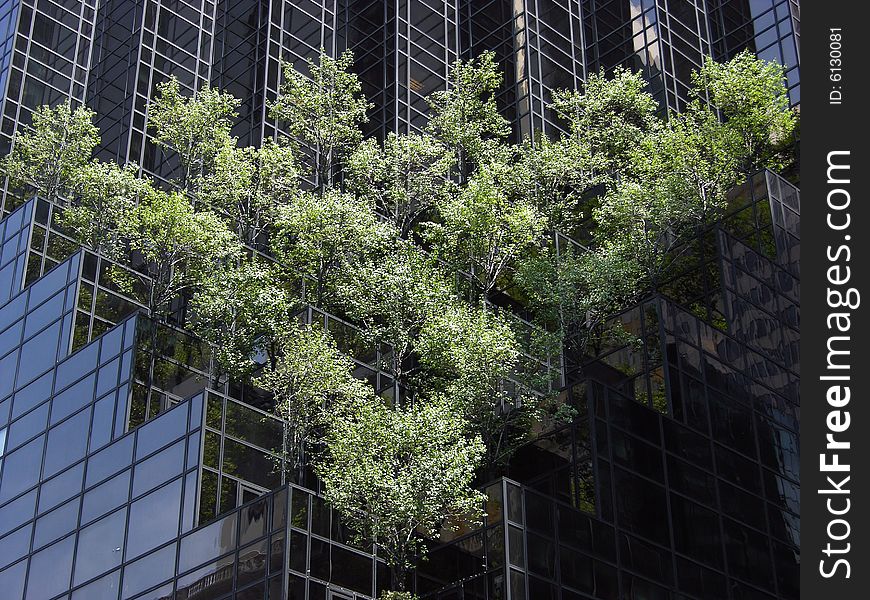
771	28
8	18
50	59
35	326
715	455
14	235
532	546
664	39
403	50
539	46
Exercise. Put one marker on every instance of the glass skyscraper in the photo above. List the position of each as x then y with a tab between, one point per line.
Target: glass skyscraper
677	480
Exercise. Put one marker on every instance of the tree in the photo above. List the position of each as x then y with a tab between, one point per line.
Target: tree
309	377
689	165
176	246
465	117
398	476
608	118
102	196
196	127
552	176
469	353
483	231
404	178
319	235
392	296
242	310
754	104
48	159
323	110
249	185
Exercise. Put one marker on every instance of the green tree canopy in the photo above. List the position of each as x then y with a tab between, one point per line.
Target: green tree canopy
608	119
398	476
195	127
102	197
249	185
176	246
754	104
318	236
309	378
323	109
464	116
483	231
242	310
48	159
392	297
404	177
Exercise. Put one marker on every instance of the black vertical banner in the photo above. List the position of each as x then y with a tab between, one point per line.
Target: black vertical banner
835	302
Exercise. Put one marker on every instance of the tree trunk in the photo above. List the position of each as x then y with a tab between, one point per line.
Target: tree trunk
398	578
152	363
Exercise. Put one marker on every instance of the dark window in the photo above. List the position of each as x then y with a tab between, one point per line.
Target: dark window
748	554
355	572
298	551
641	506
251	564
320	564
252	523
576	570
542	556
539	513
696	531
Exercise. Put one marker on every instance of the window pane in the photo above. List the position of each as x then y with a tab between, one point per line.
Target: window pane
12	580
106	496
105	588
149	571
154	519
50	570
253	522
100	547
75	397
33	394
21	469
56	524
162	466
67	443
15	545
110	460
157	433
214	540
62	487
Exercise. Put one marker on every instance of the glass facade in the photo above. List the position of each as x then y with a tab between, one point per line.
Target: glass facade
677	479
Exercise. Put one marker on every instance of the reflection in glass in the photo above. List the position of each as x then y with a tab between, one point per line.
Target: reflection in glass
100	547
